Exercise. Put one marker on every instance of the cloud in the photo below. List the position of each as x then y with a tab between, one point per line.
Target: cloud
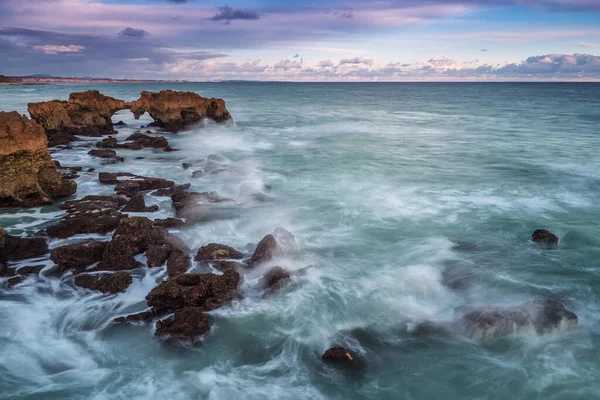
176	1
296	55
326	64
287	65
357	60
227	13
133	33
484	50
56	49
589	44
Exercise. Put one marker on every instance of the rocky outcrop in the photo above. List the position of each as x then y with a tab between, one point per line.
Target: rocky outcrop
133	184
215	251
342	358
175	110
14	248
78	256
279	243
110	156
85	113
107	284
137	203
188	322
27	173
543	236
277	278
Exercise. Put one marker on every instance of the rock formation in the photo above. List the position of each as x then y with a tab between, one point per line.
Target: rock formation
28	175
16	248
174	110
543	236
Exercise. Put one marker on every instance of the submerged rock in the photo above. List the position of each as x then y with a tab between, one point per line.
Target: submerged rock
108	284
28	175
188	322
14	248
341	357
157	142
215	251
277	278
78	256
110	155
543	236
206	291
278	244
176	110
169	222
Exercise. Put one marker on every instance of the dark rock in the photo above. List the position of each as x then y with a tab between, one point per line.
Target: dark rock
138	204
341	357
169	222
112	143
178	263
165	192
265	251
157	142
78	256
30	270
120	123
158	254
92	214
15	248
110	155
132	186
543	236
187	165
60	139
214	251
193	205
111	178
14	281
428	328
226	265
111	283
139	317
207	291
187	322
198	174
277	278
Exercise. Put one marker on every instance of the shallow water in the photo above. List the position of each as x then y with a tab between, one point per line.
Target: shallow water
388	188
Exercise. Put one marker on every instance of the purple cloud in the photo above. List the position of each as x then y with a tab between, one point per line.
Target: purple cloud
133	33
227	13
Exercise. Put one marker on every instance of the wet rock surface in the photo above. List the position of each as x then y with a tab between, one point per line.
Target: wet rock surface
14	248
170	222
277	278
545	237
176	110
187	322
206	291
110	156
215	251
91	214
137	203
108	284
28	175
78	256
342	358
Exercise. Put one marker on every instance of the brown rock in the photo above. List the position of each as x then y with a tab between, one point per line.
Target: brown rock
214	251
139	317
28	175
265	251
175	110
166	192
341	357
277	278
78	256
86	113
111	283
178	263
207	291
187	322
138	204
158	254
109	155
14	248
543	236
157	142
112	143
169	222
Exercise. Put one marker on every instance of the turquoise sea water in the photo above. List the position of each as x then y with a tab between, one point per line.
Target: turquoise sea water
388	188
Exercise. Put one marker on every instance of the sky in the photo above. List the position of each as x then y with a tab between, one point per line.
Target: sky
303	40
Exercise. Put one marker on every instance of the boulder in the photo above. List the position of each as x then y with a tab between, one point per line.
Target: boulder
137	203
178	262
543	236
206	291
108	284
176	110
139	317
110	155
170	191
112	143
91	214
78	256
169	222
265	251
85	113
156	142
277	278
341	357
188	322
28	175
214	251
14	248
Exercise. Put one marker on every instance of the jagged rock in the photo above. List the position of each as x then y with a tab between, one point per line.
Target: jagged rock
158	254
139	317
86	113
191	205
137	184
543	236
28	175
197	174
178	262
175	110
110	155
540	316
112	143
157	142
277	278
207	291
137	203
186	323
170	191
69	172
111	178
108	284
92	214
14	281
341	357
60	139
215	251
120	123
14	248
78	256
169	222
30	270
187	165
265	251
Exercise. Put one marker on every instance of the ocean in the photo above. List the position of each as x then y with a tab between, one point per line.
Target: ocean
389	189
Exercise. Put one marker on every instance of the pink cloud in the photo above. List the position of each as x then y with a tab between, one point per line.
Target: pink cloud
56	49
